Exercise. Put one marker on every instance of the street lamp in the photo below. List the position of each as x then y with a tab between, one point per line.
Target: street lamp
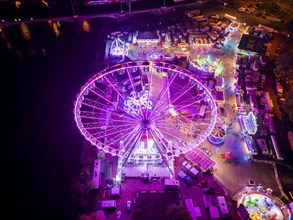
224	9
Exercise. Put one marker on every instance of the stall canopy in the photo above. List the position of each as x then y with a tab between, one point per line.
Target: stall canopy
197	156
202	41
147	36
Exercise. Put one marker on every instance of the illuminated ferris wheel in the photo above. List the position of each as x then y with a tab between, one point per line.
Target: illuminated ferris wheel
159	104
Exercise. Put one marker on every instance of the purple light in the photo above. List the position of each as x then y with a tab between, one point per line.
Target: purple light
102	119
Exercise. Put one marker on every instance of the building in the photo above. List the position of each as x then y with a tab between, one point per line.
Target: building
250	44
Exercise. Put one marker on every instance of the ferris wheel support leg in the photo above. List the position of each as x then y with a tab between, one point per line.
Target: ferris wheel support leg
128	153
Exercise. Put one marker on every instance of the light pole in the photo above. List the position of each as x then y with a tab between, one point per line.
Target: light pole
224	9
73	11
121	9
129	6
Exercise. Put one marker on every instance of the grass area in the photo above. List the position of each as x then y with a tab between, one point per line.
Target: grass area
154	205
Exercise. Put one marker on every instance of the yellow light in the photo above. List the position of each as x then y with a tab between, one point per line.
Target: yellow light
86	26
56	29
25	31
45	3
17	4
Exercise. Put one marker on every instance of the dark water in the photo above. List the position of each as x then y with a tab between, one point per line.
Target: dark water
42	67
40	76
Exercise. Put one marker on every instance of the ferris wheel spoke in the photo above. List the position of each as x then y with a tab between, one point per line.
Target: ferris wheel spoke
172	135
165	147
131	82
162	150
120	130
178	88
112	112
122	136
190	99
178	121
128	151
91	102
189	104
168	148
88	127
167	102
114	104
113	141
166	128
104	145
105	119
135	134
162	94
134	90
139	115
164	111
161	147
148	99
171	102
177	137
117	120
113	129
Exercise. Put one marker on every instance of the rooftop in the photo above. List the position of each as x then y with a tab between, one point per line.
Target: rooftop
250	43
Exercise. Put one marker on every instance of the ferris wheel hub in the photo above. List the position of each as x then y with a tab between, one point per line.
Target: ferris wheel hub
145	123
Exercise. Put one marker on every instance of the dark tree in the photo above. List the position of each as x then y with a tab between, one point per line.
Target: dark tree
177	212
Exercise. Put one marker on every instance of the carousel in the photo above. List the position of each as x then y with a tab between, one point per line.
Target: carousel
262	204
217	136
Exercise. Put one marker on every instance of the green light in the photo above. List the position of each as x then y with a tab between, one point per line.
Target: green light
244	53
219	69
201	61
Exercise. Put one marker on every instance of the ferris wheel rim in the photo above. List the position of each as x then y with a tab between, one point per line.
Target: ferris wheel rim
139	64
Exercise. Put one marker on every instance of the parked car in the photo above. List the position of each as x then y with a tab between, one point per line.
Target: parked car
128	206
210	190
202	183
187	180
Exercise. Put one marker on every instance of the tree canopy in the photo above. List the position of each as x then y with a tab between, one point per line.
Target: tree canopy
177	212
